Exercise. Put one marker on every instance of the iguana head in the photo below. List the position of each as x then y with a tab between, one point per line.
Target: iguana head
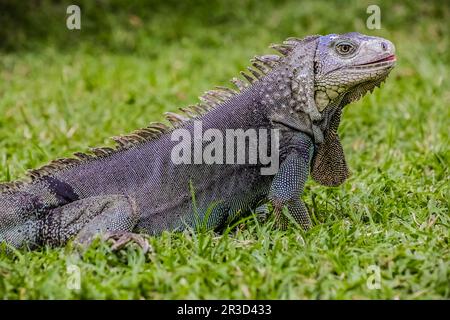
349	65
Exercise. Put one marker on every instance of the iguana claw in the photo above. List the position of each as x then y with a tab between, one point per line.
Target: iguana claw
122	238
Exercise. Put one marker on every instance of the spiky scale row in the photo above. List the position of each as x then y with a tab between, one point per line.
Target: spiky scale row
11	186
255	73
175	119
230	91
284	49
241	85
208	100
82	156
247	77
101	152
262	65
189	112
270	60
262	68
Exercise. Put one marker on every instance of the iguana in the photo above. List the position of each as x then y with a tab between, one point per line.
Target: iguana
136	188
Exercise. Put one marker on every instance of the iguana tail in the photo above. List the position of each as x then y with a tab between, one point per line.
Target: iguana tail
19	219
25	221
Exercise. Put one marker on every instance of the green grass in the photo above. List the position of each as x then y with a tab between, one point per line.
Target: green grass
62	91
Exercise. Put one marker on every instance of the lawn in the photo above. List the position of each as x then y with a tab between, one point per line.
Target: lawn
383	234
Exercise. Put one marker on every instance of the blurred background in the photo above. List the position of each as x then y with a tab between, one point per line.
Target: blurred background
143	26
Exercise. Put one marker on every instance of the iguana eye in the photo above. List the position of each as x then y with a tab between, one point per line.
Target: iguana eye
345	48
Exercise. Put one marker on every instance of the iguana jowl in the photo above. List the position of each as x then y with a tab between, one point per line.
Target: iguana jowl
136	188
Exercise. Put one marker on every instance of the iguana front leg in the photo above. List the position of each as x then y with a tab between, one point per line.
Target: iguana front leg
86	218
288	184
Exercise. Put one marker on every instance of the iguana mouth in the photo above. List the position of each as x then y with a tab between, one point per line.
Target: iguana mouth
384	63
392	58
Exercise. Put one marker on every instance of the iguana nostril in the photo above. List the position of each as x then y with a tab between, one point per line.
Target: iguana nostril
384	46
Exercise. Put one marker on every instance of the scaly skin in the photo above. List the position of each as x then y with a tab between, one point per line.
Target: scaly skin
137	188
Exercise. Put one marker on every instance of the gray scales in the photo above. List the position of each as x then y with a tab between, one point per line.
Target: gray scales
136	188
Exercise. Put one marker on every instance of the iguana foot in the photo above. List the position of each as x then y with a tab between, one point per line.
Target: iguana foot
262	213
121	238
297	210
281	221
